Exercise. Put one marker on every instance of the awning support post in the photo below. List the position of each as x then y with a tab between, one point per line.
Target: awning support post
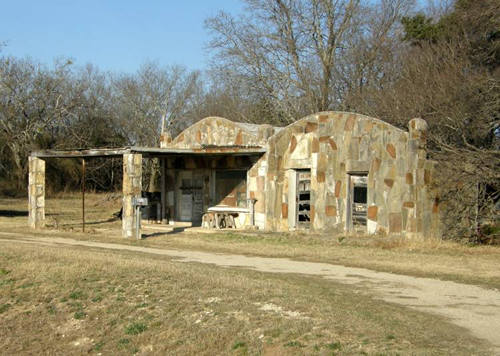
83	194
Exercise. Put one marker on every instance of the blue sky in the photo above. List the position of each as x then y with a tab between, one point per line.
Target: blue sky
115	35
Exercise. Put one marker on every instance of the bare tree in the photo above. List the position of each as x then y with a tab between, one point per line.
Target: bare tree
451	79
32	101
153	94
298	53
52	107
142	99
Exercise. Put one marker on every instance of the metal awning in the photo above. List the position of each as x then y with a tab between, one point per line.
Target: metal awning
151	152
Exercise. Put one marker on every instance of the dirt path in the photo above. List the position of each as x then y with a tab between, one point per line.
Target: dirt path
471	307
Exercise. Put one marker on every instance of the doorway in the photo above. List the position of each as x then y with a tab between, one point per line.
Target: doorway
357	199
191	197
303	199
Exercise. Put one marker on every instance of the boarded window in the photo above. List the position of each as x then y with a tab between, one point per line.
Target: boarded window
358	201
303	198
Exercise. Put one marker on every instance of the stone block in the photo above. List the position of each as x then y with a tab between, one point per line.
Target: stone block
315	145
284	210
391	150
338	185
332	143
311	127
331	211
353	165
322	162
375	165
368	126
323	118
239	139
427	177
293	144
408	204
372	212
350	122
320	177
435	206
389	182
260	183
395	223
409	178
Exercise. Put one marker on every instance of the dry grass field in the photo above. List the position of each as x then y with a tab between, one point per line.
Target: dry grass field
67	301
428	258
75	300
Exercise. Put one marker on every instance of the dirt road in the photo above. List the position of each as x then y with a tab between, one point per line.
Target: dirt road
473	308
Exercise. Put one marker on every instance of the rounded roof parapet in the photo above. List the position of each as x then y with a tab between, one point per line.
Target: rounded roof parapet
323	116
214	130
418	124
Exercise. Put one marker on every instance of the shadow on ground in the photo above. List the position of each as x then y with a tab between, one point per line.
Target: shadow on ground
13	213
175	230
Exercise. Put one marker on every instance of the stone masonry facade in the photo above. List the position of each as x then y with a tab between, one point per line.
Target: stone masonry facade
332	146
313	164
132	187
36	192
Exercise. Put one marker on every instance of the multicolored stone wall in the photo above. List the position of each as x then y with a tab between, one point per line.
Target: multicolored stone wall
132	187
214	131
332	145
36	191
257	189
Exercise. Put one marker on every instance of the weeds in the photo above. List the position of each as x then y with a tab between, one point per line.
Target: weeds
76	295
123	342
334	346
238	344
4	307
135	329
97	347
294	344
79	315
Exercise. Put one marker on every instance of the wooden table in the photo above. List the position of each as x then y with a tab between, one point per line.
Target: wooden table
224	216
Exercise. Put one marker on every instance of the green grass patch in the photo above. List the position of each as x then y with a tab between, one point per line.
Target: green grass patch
51	309
97	347
76	295
28	285
334	346
7	281
294	343
4	307
79	315
135	328
123	341
238	345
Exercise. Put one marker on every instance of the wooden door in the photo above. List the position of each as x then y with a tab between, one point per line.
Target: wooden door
197	195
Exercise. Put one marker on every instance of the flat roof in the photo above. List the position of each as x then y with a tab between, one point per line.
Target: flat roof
151	152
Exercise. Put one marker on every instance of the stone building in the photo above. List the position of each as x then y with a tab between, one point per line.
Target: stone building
331	171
